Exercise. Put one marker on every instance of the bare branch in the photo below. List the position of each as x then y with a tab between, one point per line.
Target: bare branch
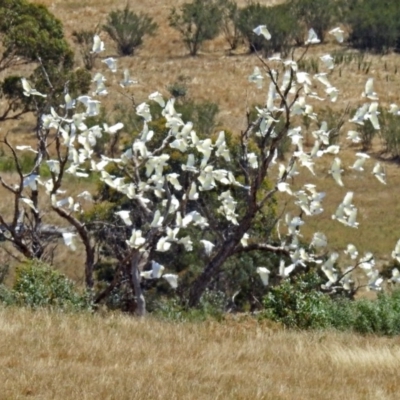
85	237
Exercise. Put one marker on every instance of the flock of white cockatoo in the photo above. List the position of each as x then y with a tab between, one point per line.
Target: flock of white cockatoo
308	199
81	139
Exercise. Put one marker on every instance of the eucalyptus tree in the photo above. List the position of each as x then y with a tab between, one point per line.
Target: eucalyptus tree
186	193
31	35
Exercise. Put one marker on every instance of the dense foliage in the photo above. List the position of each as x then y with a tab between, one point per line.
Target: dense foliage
38	285
280	21
374	25
30	34
127	29
300	304
197	22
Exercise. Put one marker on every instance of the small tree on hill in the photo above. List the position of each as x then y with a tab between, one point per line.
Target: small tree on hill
127	29
374	25
230	18
84	38
317	14
280	21
197	22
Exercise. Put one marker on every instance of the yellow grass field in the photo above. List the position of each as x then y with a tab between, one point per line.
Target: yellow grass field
55	356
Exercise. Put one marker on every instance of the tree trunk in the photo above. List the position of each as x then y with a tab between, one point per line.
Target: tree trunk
135	276
85	237
115	282
226	250
213	267
89	268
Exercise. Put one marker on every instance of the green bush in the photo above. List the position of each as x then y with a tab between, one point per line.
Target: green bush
38	285
301	305
381	316
374	25
212	305
390	134
202	114
320	15
127	29
179	88
229	25
26	161
298	303
31	31
197	22
367	132
84	39
280	22
310	65
28	33
7	296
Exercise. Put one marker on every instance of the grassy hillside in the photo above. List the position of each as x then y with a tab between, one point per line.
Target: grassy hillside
45	355
57	356
222	78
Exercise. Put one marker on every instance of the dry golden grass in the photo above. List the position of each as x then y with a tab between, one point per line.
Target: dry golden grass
56	356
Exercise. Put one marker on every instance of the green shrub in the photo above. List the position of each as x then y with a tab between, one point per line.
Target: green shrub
280	22
390	134
374	25
202	114
309	65
298	303
367	132
7	296
344	57
127	29
380	316
320	15
197	22
26	161
341	313
38	285
84	39
28	33
212	305
179	88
